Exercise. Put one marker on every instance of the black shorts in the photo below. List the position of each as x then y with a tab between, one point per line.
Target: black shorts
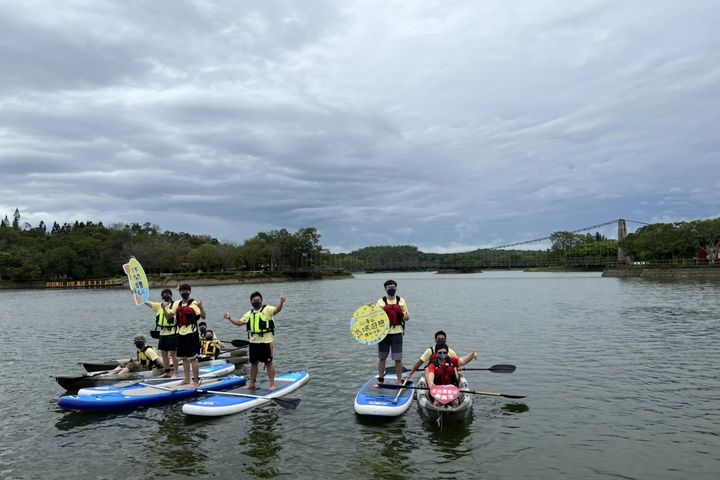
260	352
168	343
188	345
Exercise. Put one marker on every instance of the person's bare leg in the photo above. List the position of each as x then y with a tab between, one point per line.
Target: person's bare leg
253	376
271	375
186	372
175	363
196	372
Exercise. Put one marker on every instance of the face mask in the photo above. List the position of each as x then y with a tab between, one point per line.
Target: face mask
208	337
256	305
202	330
139	345
391	292
185	295
167	298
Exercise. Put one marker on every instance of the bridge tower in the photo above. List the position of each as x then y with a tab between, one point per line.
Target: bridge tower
622	233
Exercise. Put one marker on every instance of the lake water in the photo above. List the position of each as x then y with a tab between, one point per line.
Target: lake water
621	378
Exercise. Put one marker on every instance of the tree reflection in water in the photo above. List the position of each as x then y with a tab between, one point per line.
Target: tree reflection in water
384	449
262	444
180	448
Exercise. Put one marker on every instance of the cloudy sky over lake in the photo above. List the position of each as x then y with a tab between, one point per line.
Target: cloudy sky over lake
449	125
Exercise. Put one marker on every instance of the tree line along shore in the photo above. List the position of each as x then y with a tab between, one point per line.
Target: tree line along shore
87	251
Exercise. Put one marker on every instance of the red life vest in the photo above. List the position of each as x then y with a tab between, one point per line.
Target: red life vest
444	374
394	312
186	315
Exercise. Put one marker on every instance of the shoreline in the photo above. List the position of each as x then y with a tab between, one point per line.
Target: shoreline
171	280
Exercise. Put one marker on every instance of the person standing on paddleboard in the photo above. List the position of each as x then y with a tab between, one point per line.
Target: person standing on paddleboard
168	335
260	321
397	312
187	312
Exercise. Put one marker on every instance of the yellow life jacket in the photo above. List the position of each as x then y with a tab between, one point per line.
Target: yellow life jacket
210	348
162	321
143	359
260	323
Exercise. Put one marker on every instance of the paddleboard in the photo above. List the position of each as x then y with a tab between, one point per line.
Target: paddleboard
369	324
383	402
217	405
137	281
143	395
220	369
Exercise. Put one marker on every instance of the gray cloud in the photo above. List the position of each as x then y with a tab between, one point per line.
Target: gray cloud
448	126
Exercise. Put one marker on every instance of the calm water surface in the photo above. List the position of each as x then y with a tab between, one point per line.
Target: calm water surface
621	378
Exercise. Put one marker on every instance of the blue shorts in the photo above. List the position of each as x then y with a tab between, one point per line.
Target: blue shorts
392	342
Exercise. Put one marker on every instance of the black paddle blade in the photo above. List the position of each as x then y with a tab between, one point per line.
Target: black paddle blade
240	343
289	403
389	370
502	368
494	369
513	396
154	334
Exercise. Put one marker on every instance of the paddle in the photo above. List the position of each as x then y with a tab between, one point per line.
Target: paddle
240	343
290	403
495	369
395	400
474	392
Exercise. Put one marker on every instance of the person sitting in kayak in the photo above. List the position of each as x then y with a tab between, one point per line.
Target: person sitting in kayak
443	369
210	345
146	358
440	337
260	321
202	326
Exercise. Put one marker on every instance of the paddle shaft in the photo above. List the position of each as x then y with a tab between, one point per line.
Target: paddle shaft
493	369
290	403
474	392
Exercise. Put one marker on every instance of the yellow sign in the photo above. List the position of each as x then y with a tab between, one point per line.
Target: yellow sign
137	280
369	324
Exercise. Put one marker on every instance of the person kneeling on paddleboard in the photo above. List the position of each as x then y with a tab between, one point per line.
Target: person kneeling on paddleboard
442	369
260	321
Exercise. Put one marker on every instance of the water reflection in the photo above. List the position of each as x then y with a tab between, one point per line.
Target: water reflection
511	408
180	448
384	448
448	439
262	444
76	419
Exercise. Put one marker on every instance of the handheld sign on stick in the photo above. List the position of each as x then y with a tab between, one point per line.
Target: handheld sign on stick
369	324
137	281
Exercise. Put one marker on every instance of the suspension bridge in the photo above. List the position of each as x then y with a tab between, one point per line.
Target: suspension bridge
507	256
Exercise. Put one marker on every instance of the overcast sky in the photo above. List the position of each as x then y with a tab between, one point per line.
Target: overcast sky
449	125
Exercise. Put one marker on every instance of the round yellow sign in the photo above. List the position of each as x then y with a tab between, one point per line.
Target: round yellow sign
369	324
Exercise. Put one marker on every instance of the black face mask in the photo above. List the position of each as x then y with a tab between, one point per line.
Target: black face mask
167	298
391	292
185	295
256	305
139	345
